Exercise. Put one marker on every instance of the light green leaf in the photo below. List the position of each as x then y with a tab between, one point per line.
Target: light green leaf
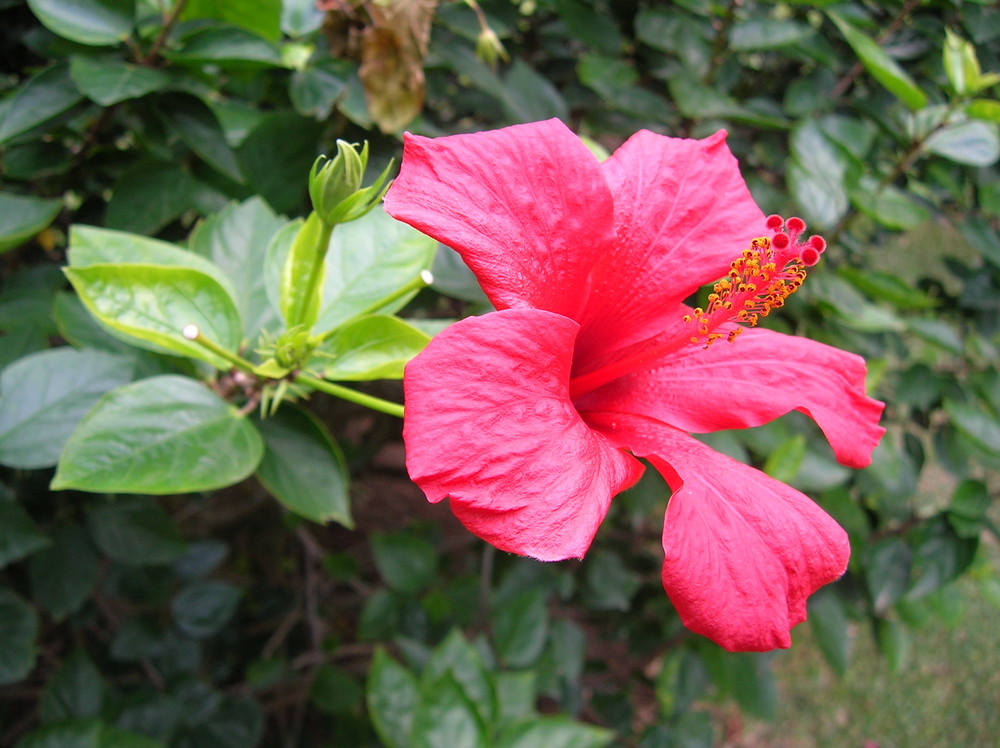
816	176
975	142
392	695
135	531
153	303
44	97
984	109
63	575
303	467
21	217
108	81
162	435
300	290
456	656
373	347
236	240
97	23
445	717
889	205
882	68
196	125
260	17
43	397
553	732
300	17
18	629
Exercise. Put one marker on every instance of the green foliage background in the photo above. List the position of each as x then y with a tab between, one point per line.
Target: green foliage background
217	616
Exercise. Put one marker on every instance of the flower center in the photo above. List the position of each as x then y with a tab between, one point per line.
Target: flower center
758	281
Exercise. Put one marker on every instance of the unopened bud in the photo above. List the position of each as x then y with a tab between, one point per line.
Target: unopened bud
335	186
489	48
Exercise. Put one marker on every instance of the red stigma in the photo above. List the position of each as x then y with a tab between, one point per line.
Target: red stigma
775	222
795	225
780	241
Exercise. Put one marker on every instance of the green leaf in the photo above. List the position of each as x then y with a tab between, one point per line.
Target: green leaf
276	157
939	556
881	67
18	629
45	395
19	535
232	46
162	435
960	64
149	195
816	176
107	81
520	628
456	656
528	96
315	90
300	290
198	128
977	424
335	691
63	574
98	23
203	608
22	217
392	695
610	583
887	572
85	733
135	531
261	17
75	690
369	259
446	718
552	732
975	143
300	17
889	205
236	240
303	467
894	642
784	462
984	109
373	347
516	694
153	304
768	33
829	626
44	97
406	562
968	509
887	287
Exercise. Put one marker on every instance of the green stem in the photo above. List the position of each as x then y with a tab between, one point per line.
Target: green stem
344	393
420	282
193	333
316	270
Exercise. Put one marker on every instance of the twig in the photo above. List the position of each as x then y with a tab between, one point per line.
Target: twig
168	26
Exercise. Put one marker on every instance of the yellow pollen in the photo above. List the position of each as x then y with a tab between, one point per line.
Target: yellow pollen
753	287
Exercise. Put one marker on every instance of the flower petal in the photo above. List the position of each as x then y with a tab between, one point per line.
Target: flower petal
751	381
743	551
682	215
489	424
526	206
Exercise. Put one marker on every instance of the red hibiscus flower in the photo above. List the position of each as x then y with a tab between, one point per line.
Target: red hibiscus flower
529	419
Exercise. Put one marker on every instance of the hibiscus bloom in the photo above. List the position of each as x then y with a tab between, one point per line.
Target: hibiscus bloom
529	419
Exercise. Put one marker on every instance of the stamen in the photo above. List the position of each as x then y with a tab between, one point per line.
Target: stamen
759	280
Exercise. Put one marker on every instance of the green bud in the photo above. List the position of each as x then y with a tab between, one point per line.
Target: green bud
489	48
335	186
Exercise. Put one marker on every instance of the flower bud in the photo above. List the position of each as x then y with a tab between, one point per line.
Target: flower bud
336	180
489	48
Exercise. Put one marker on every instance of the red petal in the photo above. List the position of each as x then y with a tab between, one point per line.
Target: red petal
749	382
682	215
489	423
743	551
526	206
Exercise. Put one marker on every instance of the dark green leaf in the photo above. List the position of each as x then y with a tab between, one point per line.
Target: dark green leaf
456	656
203	608
335	691
135	531
392	695
63	574
610	583
887	571
276	157
149	195
894	642
152	304
529	97
235	47
967	511
406	562
22	217
552	732
881	67
303	467
200	558
888	205
108	81
44	97
314	91
816	176
85	733
45	395
196	125
768	33
19	535
520	628
75	690
886	287
446	718
977	424
99	23
587	23
829	626
162	435
18	629
372	347
939	555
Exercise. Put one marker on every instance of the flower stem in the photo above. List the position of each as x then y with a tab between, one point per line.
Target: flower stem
345	393
420	282
193	333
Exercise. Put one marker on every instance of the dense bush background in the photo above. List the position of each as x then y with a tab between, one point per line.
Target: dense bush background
222	618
